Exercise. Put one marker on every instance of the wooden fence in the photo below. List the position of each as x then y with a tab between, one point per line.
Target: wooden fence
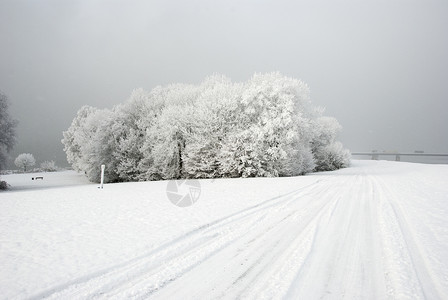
376	155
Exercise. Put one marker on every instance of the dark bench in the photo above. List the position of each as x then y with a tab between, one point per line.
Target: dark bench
38	177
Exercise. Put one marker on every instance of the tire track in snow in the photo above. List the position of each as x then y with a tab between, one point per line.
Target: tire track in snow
257	258
268	211
411	266
273	280
340	263
123	273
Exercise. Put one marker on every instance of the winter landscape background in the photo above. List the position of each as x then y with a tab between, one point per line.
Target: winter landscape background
224	128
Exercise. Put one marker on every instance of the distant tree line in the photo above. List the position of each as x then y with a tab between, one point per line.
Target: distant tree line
7	130
266	126
7	134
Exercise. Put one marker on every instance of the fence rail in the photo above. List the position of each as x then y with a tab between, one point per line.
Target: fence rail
375	155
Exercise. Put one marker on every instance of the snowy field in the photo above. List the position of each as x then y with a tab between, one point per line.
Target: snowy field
376	230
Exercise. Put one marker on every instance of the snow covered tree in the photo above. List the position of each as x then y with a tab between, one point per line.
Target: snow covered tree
268	136
24	161
167	140
132	120
210	121
7	130
99	150
90	142
326	130
77	135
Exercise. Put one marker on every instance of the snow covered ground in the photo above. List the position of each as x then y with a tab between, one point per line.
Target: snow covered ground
376	230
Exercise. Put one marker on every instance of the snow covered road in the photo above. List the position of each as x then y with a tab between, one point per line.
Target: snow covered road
377	230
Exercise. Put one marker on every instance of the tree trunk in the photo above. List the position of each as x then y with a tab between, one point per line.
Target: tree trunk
180	149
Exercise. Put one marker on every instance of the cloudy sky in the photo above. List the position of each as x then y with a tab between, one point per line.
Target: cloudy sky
379	67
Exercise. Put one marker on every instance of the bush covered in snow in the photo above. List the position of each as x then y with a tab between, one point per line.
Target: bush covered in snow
266	126
48	166
3	185
329	154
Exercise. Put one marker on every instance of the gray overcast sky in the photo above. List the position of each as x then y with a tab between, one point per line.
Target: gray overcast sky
379	67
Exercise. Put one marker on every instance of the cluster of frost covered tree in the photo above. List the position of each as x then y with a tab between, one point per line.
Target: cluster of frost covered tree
266	126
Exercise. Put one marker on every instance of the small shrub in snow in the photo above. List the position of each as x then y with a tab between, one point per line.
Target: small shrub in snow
329	154
3	185
332	157
48	166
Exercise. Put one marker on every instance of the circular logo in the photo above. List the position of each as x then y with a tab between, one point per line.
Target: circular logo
183	193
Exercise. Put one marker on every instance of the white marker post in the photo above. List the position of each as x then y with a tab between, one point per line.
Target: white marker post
102	175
